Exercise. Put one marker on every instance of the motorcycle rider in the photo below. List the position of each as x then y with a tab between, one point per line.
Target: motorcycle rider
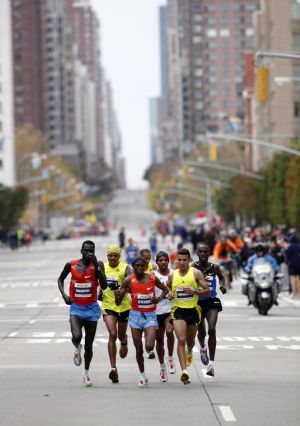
261	252
223	254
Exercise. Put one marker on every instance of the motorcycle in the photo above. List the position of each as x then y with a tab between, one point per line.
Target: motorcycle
262	285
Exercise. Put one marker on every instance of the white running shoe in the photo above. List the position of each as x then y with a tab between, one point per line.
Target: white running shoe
77	356
86	380
163	374
171	367
143	381
210	370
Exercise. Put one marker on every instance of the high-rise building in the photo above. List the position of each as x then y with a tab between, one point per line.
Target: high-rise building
206	42
277	120
58	80
7	156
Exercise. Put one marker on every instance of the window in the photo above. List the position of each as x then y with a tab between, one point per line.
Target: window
197	28
224	32
296	75
297	109
196	40
211	33
295	9
296	40
249	32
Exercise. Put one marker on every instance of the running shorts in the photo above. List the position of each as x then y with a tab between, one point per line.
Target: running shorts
121	316
211	303
142	320
90	312
161	319
192	316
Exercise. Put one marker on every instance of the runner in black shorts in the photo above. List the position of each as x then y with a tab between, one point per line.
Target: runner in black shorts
210	306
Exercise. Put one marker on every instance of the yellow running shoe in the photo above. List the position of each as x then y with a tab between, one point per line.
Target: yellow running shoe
185	377
188	358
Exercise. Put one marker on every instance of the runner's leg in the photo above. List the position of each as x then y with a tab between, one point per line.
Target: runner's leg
159	335
137	341
76	329
90	328
212	318
111	325
180	328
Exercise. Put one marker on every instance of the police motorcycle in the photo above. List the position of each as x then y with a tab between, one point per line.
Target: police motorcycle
261	285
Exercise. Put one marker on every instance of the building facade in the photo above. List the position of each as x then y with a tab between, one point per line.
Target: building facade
277	120
7	152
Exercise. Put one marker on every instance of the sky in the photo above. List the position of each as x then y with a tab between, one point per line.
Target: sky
130	56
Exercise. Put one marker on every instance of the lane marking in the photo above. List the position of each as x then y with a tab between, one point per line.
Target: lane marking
227	413
32	305
43	334
32	321
13	334
276	347
38	341
267	318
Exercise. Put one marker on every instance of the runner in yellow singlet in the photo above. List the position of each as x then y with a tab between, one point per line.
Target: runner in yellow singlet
187	284
115	317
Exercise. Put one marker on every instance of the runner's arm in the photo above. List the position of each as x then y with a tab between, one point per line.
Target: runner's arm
125	287
65	272
164	289
100	274
221	279
203	289
170	295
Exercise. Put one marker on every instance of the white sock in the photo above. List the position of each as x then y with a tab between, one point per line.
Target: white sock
204	348
162	366
85	372
211	363
170	358
143	375
77	348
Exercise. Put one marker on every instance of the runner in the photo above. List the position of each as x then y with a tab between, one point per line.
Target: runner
187	284
115	317
131	251
210	306
150	267
86	273
146	254
142	316
163	310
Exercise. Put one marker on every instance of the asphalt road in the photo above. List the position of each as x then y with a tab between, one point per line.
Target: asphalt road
257	361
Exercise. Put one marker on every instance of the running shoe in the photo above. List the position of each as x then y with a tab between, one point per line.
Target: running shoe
204	356
113	375
163	374
171	367
86	380
185	377
123	351
188	358
143	381
150	354
210	370
77	356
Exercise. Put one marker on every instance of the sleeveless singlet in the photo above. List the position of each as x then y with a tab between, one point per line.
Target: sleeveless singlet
83	285
141	294
181	299
114	278
211	278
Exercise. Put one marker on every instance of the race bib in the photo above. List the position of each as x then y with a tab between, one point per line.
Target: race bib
145	300
112	283
83	289
181	295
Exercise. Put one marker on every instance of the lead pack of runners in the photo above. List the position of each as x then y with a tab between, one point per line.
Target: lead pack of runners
157	303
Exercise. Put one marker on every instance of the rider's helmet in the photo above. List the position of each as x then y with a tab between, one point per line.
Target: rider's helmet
260	249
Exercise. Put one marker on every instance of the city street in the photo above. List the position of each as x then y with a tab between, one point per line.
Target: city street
257	362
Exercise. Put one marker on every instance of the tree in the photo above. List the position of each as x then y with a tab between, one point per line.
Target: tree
12	205
292	188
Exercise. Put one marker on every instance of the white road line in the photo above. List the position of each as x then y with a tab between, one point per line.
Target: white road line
268	318
276	347
32	321
227	413
13	334
38	341
2	305
43	334
32	305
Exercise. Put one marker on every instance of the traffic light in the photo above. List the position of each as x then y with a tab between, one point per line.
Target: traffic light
262	83
213	152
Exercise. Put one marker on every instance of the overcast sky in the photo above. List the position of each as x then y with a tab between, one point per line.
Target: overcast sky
130	55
